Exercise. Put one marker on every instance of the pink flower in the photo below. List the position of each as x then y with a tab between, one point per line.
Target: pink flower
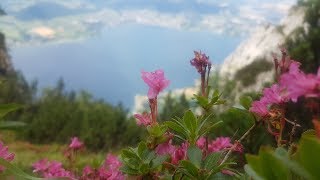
299	84
165	148
4	154
75	143
156	82
273	95
238	147
219	144
259	107
200	62
87	170
111	169
143	119
227	172
103	173
112	162
40	166
201	142
52	169
180	153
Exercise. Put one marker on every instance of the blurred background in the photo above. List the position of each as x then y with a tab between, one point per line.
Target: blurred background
75	65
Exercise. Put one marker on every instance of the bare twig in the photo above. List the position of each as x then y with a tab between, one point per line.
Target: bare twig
238	141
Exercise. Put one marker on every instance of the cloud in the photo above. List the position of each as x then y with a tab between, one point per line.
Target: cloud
239	18
219	3
43	32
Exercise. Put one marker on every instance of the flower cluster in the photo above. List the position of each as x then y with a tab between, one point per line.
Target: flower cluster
202	63
157	83
51	169
179	152
108	171
4	154
75	144
293	83
143	119
219	144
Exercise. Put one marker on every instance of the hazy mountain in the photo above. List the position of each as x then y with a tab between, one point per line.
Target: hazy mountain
2	12
259	47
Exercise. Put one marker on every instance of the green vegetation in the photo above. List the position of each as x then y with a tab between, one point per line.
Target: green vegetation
173	106
304	43
248	74
281	164
101	125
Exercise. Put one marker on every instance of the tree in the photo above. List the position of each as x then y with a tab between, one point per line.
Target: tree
304	43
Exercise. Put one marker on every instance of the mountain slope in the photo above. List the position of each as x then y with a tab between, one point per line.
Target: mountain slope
261	44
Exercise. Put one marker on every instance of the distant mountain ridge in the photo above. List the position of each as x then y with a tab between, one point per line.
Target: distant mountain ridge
260	46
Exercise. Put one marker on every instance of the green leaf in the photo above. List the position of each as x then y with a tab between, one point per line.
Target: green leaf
144	168
127	170
128	154
212	160
191	168
190	121
246	102
309	132
158	161
208	129
202	101
308	155
177	128
11	125
267	165
16	171
157	130
282	155
276	169
149	157
216	93
142	148
254	163
195	155
6	108
252	173
203	122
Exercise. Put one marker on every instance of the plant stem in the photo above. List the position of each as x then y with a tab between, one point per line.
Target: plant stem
238	141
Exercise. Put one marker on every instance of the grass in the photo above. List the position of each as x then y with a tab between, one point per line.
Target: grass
26	153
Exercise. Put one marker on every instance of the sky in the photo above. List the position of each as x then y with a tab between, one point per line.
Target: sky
102	45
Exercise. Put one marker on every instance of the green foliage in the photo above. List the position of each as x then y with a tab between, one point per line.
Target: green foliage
280	164
173	107
213	99
18	173
304	43
100	125
141	161
190	128
198	168
7	108
156	134
248	74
